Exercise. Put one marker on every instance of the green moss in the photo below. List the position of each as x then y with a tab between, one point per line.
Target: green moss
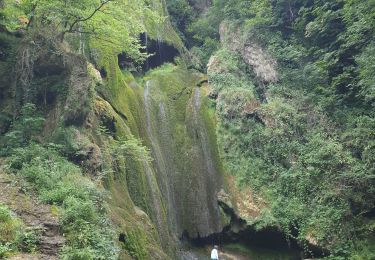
134	243
364	249
126	180
128	171
162	29
208	113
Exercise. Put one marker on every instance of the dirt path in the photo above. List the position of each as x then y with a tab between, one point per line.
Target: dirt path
35	216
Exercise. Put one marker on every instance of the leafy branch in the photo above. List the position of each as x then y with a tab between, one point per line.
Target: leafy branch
78	20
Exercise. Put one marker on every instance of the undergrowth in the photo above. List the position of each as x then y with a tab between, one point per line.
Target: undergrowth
14	236
82	209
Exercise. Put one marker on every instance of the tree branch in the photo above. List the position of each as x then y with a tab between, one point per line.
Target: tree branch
78	20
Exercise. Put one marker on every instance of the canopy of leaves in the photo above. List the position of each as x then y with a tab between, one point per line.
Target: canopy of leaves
116	23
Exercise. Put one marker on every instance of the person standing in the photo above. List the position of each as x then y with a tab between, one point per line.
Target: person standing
214	253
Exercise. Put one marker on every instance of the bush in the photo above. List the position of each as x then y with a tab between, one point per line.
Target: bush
29	240
10	226
10	231
134	245
23	130
5	249
81	205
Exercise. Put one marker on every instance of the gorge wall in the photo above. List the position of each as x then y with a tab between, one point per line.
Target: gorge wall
101	118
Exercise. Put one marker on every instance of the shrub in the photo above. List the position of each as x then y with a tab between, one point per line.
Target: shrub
29	240
81	204
10	231
23	130
10	226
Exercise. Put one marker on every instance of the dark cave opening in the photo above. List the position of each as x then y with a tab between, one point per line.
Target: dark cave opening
267	239
159	53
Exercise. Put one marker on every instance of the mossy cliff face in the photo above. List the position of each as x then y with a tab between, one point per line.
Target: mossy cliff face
93	110
133	185
180	133
88	116
170	114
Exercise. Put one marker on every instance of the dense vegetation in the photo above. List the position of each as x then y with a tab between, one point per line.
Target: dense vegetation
305	142
296	125
14	236
76	199
99	19
39	42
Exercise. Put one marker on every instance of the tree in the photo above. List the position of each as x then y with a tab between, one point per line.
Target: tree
116	22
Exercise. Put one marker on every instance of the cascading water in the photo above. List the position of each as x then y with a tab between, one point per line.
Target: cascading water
164	166
203	135
168	167
155	194
153	180
187	176
209	179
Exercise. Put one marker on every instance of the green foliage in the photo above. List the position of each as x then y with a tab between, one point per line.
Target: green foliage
309	146
23	129
10	231
82	207
9	225
232	72
203	52
29	240
134	244
366	66
293	165
182	15
199	33
5	249
133	148
99	19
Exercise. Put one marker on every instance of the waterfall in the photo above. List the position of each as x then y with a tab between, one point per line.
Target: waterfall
163	163
168	166
203	135
152	182
156	200
208	178
184	165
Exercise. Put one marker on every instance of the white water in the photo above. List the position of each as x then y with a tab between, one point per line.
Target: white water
209	179
188	187
163	163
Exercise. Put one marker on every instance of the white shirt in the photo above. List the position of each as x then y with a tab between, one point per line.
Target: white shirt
214	254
